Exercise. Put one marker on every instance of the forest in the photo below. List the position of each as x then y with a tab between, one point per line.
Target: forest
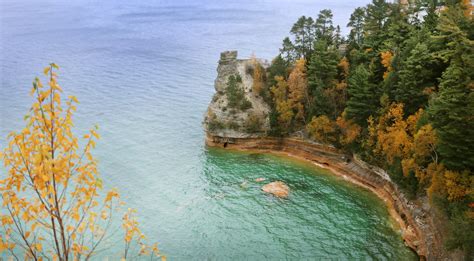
398	91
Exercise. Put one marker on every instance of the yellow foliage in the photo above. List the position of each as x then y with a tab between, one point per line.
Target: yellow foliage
322	129
298	89
350	131
52	189
258	77
283	106
438	184
458	184
386	57
392	134
344	67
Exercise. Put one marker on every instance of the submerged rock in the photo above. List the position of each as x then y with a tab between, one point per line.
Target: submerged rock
277	188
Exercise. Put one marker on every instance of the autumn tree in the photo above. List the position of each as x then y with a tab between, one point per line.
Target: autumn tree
386	60
53	204
322	129
258	77
298	90
349	131
283	106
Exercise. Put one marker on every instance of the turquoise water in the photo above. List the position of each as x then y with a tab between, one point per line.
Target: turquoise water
144	73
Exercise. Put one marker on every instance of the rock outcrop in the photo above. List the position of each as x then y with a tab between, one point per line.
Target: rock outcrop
239	113
277	188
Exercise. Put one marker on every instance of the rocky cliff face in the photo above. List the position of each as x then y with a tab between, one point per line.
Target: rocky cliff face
236	111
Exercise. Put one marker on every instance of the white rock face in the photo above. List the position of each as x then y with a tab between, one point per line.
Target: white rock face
223	121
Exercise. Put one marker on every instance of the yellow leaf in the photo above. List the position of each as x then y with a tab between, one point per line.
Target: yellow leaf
46	70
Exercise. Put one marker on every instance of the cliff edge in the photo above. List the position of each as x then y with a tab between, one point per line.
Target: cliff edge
236	111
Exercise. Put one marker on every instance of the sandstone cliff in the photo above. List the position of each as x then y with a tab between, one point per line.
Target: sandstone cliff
234	127
235	110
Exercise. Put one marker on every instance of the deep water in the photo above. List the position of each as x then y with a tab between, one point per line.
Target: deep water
144	72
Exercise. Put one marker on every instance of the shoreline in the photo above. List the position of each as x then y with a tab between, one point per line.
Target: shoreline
417	227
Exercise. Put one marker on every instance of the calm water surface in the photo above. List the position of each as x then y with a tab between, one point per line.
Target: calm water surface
144	71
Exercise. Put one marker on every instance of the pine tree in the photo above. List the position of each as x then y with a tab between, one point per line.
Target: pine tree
303	32
416	79
453	109
356	23
278	68
363	98
287	51
375	23
322	74
324	26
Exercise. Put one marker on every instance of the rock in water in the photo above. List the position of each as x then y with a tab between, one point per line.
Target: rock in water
277	188
260	179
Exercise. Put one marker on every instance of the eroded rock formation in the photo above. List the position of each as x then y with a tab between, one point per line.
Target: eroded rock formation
236	112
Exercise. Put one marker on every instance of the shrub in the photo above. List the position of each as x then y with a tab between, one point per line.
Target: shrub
236	95
253	124
245	105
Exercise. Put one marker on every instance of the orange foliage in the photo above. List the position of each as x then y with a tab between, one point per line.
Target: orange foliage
344	67
386	62
392	134
258	74
350	131
458	184
298	89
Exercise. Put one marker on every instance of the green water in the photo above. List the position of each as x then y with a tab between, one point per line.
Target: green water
324	217
144	72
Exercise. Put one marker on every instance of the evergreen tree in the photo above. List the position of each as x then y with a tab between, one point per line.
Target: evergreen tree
287	51
375	23
322	74
363	98
356	23
338	38
279	67
453	109
416	79
304	36
324	26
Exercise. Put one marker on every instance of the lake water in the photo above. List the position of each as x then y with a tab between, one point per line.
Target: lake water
144	72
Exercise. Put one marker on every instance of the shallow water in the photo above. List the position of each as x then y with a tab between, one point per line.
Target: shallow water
144	72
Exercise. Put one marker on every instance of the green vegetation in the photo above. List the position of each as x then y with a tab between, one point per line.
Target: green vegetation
398	91
235	94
